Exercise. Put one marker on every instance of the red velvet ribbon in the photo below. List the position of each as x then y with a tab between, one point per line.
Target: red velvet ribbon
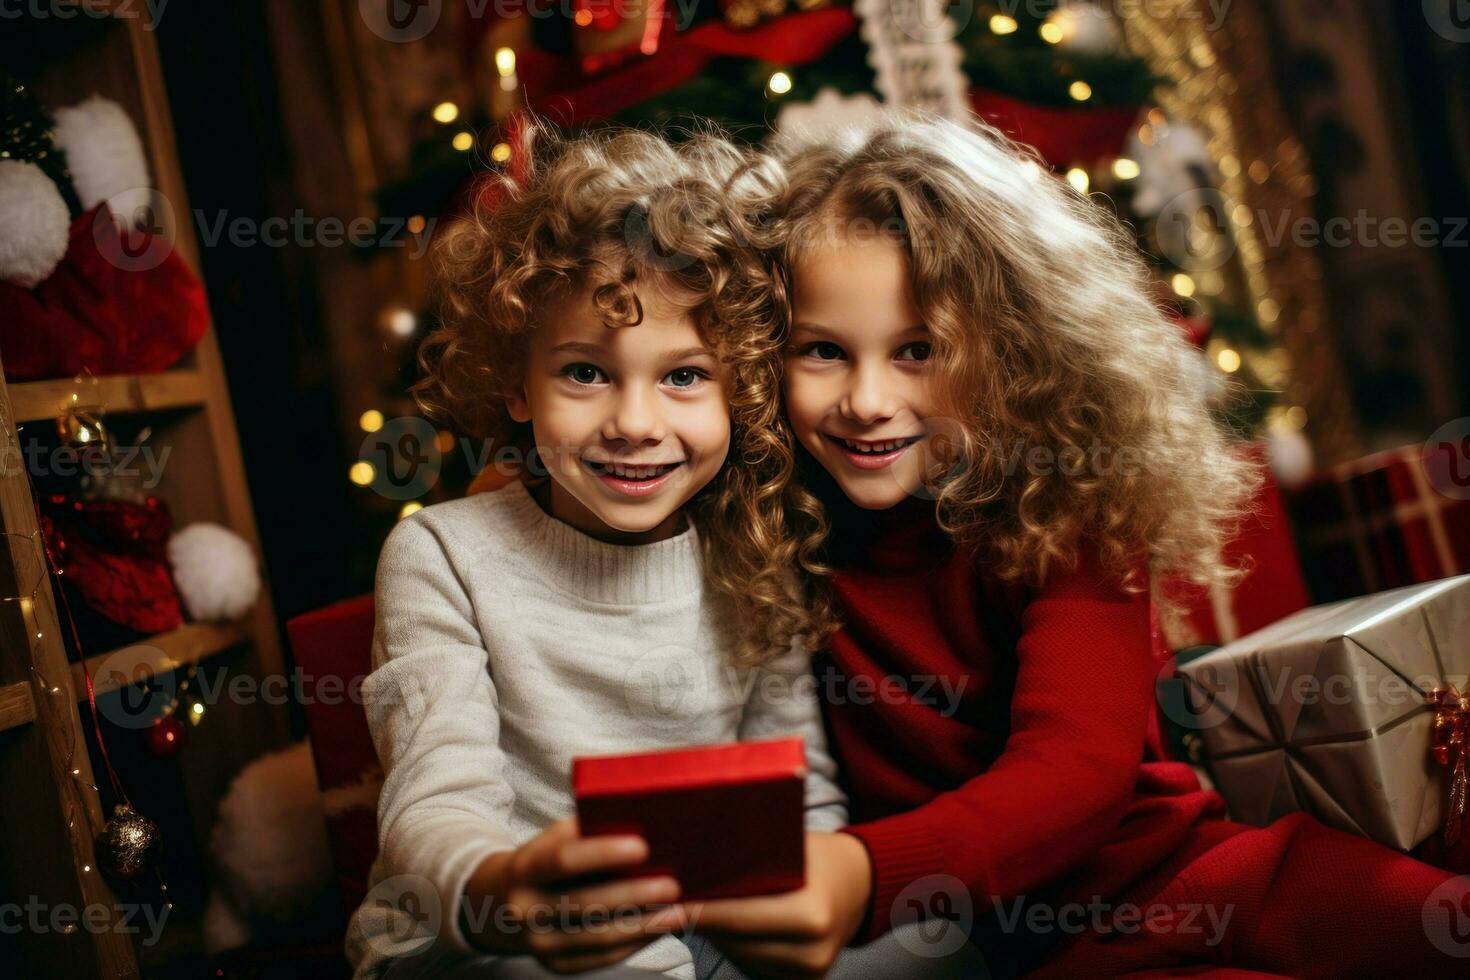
1062	135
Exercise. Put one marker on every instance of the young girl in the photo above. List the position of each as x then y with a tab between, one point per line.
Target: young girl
997	425
600	318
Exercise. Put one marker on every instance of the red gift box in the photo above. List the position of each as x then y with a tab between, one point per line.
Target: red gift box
1273	588
724	821
1378	523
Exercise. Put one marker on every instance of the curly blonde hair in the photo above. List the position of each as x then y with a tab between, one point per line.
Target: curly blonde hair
613	211
1044	336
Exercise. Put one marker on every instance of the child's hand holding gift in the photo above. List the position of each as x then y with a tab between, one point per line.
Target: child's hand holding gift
799	933
547	899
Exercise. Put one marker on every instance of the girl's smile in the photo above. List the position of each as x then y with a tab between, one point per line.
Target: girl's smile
872	454
858	378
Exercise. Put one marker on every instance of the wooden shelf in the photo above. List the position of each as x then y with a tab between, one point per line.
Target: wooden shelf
17	707
32	401
189	644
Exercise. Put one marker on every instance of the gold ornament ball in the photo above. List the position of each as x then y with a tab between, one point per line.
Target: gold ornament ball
129	843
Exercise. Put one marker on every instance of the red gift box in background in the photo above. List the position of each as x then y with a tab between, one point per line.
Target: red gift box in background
1273	589
725	821
1379	523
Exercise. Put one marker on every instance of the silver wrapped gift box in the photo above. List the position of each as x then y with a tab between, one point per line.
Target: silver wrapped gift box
1336	710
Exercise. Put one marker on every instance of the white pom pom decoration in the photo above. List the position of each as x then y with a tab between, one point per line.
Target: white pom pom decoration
103	150
829	113
270	846
37	225
1290	455
1169	167
1087	28
214	570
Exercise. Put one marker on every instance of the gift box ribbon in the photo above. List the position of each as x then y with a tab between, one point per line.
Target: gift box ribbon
1451	723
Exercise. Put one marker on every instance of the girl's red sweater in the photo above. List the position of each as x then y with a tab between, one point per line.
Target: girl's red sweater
1001	735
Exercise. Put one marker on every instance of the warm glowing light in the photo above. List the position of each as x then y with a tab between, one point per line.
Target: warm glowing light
1268	310
1183	285
446	112
362	473
505	59
500	152
1228	360
1052	33
583	18
412	507
1001	24
417	224
400	321
371	420
1296	416
1080	91
463	141
443	441
1078	178
780	83
1126	169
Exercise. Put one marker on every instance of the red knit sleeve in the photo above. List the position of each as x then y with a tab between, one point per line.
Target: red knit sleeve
1079	714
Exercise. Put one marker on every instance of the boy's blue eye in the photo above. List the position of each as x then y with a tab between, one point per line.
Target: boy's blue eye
584	374
917	351
824	350
684	377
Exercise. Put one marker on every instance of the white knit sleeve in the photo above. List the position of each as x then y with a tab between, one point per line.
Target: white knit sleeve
432	710
783	702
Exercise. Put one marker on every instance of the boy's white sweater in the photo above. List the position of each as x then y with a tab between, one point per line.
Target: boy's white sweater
506	644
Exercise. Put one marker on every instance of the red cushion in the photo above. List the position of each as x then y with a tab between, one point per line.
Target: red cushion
333	651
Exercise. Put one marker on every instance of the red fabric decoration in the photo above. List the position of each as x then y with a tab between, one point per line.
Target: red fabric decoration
113	553
795	39
332	648
1061	135
100	314
1274	588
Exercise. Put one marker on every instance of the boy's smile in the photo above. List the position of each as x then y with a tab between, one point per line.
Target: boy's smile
630	421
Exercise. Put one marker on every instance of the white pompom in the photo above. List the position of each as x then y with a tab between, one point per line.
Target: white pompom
1170	167
1290	455
270	846
830	112
1087	28
214	570
103	150
37	225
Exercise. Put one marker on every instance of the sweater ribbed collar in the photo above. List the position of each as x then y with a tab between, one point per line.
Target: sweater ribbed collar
596	570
